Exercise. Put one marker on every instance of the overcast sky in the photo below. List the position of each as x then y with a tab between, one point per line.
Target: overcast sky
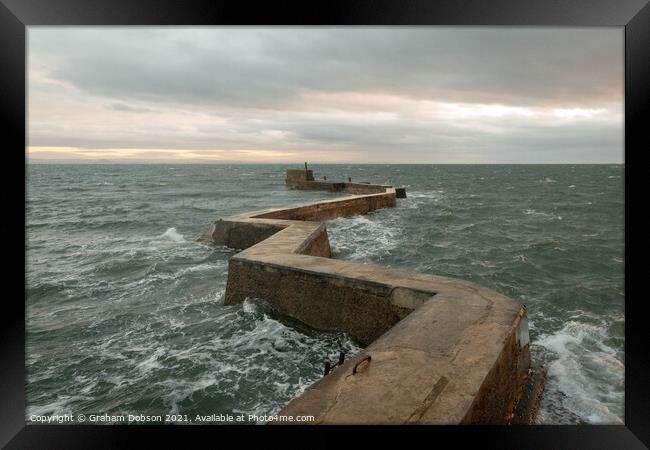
326	94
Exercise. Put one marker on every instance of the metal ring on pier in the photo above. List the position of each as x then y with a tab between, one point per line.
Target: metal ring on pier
367	358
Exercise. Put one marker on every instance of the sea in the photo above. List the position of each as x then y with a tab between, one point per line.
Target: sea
125	312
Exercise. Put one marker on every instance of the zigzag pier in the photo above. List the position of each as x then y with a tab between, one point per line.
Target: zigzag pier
437	350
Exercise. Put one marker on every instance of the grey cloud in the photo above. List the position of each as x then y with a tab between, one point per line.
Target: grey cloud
391	142
227	86
268	68
129	108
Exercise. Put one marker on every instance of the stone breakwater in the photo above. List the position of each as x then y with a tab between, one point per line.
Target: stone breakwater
439	350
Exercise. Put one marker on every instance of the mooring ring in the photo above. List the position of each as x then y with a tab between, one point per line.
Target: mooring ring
367	358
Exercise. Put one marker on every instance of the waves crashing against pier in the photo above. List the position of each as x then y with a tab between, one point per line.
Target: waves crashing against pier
439	350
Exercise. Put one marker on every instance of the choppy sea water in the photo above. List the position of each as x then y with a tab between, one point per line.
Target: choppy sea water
125	312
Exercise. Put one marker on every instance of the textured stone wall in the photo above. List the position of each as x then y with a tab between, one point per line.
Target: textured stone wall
298	176
332	303
346	207
439	350
454	360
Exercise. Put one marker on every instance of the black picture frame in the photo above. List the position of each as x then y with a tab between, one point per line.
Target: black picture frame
16	15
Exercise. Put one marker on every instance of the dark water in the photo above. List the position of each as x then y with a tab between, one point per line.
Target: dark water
125	311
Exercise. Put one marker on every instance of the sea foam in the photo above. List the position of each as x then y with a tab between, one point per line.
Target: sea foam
173	235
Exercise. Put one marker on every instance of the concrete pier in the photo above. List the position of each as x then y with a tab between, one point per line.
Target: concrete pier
439	350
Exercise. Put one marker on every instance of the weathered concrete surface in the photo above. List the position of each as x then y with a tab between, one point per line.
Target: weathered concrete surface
304	180
298	176
461	357
443	351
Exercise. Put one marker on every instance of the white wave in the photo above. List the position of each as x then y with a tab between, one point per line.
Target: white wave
255	348
62	405
151	362
436	195
249	307
260	349
532	212
179	390
417	199
586	377
360	238
173	235
175	324
206	267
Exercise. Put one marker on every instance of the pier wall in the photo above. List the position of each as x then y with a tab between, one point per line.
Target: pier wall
298	176
442	350
304	180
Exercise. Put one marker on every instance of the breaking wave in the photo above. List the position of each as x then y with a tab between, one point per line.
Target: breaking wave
585	381
362	238
173	235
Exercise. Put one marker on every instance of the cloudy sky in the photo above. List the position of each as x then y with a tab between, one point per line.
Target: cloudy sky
326	94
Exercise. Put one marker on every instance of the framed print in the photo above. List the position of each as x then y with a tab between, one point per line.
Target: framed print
370	217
